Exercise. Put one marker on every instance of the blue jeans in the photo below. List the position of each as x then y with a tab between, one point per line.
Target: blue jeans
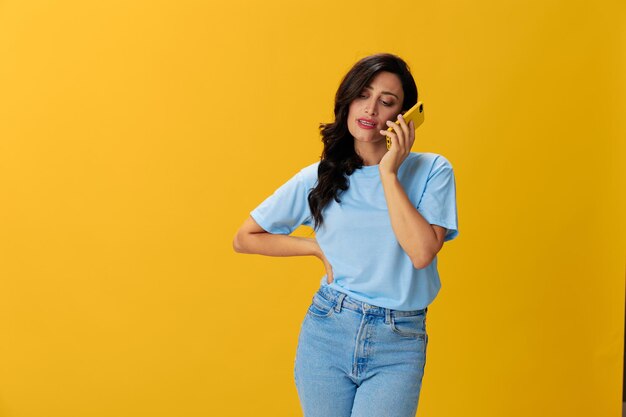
358	360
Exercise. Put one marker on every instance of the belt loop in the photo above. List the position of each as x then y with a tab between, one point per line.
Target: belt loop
387	316
339	302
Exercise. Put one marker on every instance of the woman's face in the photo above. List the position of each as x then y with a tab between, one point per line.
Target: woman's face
379	101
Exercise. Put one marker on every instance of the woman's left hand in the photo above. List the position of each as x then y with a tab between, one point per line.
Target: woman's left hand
402	138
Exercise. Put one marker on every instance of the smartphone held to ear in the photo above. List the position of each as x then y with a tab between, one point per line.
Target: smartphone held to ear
415	113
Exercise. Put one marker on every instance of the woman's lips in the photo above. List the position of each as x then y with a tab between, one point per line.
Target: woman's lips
365	124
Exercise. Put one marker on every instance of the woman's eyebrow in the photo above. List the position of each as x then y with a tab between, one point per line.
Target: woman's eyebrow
369	87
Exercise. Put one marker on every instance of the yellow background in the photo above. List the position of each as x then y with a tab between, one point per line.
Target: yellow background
136	136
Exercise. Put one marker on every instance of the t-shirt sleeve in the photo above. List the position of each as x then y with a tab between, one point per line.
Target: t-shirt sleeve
438	202
286	209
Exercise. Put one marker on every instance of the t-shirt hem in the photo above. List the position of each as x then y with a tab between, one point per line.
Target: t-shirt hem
263	222
368	301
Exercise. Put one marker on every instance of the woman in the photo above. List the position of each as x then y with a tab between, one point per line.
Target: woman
380	217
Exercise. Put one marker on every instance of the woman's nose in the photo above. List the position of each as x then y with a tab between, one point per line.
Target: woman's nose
370	108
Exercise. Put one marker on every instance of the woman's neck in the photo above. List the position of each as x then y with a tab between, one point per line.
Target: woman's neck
371	153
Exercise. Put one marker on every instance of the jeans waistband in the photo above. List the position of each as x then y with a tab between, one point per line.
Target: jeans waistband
342	300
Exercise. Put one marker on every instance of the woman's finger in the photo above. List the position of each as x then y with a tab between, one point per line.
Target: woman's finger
411	134
329	272
393	137
399	135
405	130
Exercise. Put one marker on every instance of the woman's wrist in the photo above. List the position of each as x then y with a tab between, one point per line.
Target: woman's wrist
315	249
387	175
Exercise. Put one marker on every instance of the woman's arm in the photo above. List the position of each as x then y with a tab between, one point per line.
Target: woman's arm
252	238
419	239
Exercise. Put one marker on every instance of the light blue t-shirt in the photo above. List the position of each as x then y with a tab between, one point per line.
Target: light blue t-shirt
357	238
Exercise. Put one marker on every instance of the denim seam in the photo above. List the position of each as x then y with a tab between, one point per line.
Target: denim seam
416	335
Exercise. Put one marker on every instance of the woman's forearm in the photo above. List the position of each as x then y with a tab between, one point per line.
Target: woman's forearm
264	243
269	244
414	233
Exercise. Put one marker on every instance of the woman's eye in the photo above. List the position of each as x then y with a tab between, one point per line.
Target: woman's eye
385	103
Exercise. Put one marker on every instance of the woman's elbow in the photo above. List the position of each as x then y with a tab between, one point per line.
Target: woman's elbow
238	243
419	265
421	262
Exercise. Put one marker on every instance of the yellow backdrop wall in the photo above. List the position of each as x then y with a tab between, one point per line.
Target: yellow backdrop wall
136	136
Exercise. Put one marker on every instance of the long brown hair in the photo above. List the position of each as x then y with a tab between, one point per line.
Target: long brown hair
339	158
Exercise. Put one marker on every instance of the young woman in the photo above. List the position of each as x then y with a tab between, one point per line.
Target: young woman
380	217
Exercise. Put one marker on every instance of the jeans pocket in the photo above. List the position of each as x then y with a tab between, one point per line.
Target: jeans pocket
409	326
321	307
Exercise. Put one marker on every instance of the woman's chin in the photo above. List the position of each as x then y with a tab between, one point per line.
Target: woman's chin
371	139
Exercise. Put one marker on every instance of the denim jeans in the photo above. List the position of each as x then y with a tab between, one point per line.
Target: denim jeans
358	360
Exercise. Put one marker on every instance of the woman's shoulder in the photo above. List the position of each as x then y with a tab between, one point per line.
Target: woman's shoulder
312	168
308	174
427	159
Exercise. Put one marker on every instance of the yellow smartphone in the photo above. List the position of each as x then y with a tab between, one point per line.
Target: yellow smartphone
415	113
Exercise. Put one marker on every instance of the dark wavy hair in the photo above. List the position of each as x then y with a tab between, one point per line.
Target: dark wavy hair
339	158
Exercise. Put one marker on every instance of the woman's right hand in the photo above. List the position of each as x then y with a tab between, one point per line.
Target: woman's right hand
327	265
